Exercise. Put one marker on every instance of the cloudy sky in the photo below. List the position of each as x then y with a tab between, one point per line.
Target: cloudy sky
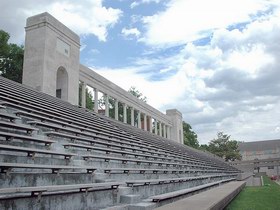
216	61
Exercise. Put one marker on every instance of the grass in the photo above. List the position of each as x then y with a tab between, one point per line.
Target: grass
266	197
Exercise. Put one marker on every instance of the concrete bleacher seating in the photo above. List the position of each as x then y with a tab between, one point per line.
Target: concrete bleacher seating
59	156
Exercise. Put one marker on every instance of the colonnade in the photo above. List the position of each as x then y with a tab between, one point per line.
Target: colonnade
141	120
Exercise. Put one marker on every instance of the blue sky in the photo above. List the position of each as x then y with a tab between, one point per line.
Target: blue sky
215	61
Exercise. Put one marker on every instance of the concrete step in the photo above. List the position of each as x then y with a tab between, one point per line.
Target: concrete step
130	199
142	206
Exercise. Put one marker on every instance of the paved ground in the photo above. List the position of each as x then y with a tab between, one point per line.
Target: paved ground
253	181
204	200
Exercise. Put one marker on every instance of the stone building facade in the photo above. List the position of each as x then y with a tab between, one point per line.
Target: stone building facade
260	156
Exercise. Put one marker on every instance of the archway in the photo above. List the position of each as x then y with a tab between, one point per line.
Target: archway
62	83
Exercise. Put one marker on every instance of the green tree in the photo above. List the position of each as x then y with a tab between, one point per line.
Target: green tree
190	137
204	147
11	58
89	100
137	94
224	147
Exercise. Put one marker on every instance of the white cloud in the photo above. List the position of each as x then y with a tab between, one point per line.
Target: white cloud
139	2
250	59
230	84
88	17
131	32
171	88
185	21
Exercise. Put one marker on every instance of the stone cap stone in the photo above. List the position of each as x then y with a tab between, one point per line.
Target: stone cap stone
47	18
173	112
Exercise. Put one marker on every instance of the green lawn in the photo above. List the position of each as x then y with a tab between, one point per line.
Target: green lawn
266	197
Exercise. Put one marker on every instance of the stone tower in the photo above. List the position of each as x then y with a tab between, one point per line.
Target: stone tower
51	58
177	122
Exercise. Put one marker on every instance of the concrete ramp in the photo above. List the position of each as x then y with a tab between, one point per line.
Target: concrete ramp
214	199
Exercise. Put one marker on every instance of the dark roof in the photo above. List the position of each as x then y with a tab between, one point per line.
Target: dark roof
259	145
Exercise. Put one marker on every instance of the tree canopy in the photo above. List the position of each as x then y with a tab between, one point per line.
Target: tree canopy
190	137
137	94
224	147
11	58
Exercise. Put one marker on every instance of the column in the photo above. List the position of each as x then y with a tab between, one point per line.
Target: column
83	95
150	124
156	131
116	109
160	129
124	113
164	130
132	116
106	105
96	100
139	119
145	122
168	132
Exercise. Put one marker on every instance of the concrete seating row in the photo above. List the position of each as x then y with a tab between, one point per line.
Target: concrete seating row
85	157
156	140
132	183
68	130
50	110
42	190
11	136
152	160
7	167
12	125
214	198
72	130
178	193
31	152
109	142
10	117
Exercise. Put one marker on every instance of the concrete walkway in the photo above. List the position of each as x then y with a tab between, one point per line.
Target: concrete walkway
254	181
214	199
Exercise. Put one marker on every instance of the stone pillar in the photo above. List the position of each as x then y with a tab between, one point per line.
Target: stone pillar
167	132
156	130
145	122
139	119
150	124
164	130
124	113
132	116
83	95
116	109
160	128
176	132
106	105
96	100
